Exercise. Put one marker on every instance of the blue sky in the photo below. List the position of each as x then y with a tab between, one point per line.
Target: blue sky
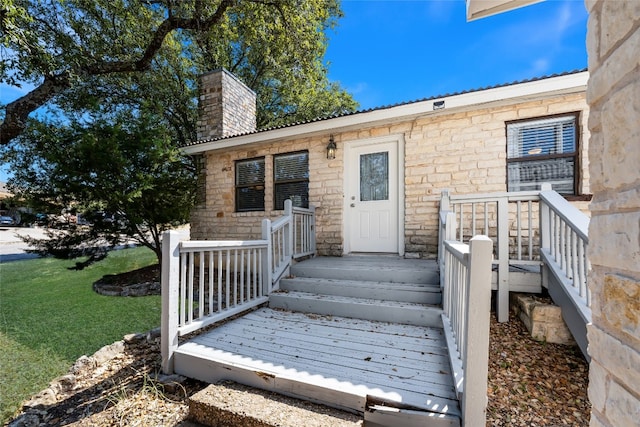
389	51
385	52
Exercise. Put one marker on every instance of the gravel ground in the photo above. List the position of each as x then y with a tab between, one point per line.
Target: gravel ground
530	384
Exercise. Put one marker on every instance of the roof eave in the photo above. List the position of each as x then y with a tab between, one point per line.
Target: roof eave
477	9
564	84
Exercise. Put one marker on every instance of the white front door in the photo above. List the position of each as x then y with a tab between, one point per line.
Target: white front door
372	198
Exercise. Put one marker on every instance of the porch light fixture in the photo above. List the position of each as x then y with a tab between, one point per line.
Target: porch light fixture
331	149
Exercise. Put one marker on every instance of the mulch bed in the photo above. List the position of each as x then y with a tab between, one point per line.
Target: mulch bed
533	383
141	282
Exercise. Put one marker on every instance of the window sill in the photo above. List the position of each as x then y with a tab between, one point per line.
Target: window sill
578	198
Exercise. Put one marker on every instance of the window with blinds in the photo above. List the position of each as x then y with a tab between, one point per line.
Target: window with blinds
250	185
291	179
543	151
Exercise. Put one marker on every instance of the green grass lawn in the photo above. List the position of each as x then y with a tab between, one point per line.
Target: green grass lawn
50	316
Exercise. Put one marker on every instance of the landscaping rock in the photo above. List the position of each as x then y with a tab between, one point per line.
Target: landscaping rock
542	319
108	352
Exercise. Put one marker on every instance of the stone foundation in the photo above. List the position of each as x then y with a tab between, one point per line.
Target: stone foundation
542	319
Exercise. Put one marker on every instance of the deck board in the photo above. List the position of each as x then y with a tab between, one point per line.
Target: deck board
414	338
395	363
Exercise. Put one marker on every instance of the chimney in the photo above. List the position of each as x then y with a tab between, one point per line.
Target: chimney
226	106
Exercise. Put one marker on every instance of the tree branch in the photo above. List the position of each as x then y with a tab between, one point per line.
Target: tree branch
17	112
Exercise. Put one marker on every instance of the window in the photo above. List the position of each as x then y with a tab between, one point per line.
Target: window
543	151
291	179
374	177
250	185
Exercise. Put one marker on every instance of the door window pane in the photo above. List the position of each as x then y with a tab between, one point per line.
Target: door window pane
374	176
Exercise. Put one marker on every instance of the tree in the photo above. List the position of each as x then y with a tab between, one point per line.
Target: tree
121	76
63	47
123	176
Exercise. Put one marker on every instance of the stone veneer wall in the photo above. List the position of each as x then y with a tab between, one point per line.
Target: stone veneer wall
464	152
226	106
613	43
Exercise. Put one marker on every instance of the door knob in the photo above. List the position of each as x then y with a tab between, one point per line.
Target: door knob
353	205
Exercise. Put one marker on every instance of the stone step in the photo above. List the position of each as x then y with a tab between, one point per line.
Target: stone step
358	308
231	404
384	291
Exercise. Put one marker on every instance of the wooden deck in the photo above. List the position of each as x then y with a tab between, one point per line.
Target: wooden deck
342	362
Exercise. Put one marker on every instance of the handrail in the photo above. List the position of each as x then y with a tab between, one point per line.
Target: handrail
564	242
575	219
466	307
198	245
490	197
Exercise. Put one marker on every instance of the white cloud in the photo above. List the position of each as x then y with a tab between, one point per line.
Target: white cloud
539	67
358	88
441	11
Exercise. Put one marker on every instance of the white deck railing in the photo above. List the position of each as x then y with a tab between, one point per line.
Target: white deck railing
466	306
304	236
292	236
509	219
564	236
529	229
204	282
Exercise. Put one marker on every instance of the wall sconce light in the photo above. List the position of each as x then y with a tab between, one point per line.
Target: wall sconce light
331	149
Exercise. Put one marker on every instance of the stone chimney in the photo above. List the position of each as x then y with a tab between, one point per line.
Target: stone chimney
226	106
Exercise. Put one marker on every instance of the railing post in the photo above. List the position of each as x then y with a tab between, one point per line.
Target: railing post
545	221
503	260
170	282
545	237
446	233
312	229
267	259
450	229
445	200
288	212
443	233
476	351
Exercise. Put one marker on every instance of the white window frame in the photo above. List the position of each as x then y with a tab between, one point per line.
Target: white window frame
555	161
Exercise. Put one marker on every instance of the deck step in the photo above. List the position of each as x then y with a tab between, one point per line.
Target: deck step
369	268
359	308
384	291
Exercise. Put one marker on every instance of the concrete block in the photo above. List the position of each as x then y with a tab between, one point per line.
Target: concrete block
230	405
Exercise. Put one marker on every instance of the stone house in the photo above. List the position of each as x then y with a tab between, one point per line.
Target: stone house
375	176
